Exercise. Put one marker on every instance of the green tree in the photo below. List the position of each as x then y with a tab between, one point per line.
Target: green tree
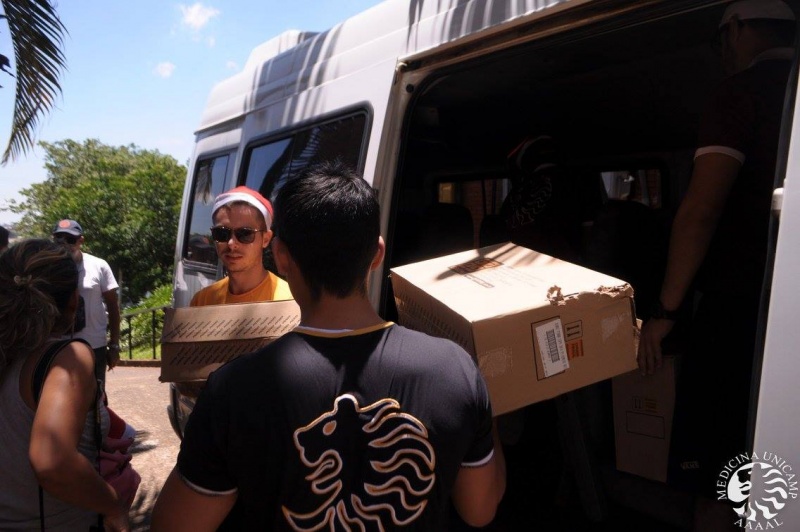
127	199
37	36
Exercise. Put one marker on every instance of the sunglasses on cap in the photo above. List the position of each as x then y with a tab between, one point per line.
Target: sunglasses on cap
64	238
245	235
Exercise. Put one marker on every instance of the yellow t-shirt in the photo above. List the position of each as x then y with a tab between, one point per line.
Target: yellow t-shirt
272	288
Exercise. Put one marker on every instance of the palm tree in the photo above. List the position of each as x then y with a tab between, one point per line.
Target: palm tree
37	36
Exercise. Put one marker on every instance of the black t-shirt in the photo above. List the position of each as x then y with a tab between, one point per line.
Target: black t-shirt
743	120
318	429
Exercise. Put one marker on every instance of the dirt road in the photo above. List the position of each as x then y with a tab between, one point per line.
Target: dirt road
136	394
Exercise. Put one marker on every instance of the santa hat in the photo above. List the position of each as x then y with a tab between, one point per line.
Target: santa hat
533	152
249	196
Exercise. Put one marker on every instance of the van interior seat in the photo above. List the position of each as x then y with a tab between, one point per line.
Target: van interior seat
493	230
629	240
436	230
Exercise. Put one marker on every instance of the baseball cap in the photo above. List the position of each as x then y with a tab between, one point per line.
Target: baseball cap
249	196
757	9
68	226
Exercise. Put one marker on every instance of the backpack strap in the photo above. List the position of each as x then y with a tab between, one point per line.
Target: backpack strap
43	366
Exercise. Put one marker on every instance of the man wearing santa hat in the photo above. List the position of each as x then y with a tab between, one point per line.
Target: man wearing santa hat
242	219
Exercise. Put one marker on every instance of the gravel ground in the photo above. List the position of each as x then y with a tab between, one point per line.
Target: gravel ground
136	395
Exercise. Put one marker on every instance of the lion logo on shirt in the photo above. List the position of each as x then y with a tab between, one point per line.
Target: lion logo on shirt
369	466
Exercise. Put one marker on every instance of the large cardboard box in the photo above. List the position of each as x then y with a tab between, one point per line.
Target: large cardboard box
643	410
538	326
197	340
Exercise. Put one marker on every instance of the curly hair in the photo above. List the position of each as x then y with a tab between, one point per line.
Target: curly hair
37	281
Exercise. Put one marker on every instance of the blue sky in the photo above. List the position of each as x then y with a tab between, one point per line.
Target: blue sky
140	73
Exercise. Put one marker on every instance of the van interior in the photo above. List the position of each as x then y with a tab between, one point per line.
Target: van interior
623	103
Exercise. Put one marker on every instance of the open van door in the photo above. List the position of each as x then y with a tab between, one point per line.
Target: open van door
777	428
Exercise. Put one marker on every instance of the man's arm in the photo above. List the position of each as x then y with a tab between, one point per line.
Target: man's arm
179	507
112	307
478	490
694	226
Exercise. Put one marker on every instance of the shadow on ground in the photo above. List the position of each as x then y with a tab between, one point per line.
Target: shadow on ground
141	509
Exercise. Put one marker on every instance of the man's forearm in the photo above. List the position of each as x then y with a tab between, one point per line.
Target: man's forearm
112	309
689	242
114	324
696	222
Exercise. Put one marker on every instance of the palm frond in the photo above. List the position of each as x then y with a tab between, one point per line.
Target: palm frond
37	35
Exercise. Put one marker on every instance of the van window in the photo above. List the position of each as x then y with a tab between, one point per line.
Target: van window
271	164
209	181
642	185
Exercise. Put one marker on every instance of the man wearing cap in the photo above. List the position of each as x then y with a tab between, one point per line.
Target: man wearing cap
98	289
719	238
242	219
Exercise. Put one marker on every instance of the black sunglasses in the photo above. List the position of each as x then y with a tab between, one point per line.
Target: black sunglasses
65	239
245	235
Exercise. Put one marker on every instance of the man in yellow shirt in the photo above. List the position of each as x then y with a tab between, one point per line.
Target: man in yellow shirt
242	219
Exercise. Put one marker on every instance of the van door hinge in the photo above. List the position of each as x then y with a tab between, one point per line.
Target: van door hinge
777	202
398	71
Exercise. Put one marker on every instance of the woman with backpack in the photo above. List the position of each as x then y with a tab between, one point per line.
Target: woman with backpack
51	418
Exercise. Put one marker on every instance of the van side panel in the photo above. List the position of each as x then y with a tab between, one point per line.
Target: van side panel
386	32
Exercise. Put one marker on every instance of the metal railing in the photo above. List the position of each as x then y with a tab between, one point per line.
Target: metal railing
154	325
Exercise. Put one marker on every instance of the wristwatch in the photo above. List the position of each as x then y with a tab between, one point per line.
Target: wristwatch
113	346
660	313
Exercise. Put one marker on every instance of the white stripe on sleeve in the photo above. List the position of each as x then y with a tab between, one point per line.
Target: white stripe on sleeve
724	150
204	491
481	462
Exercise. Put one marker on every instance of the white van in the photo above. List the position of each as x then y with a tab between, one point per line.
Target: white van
427	98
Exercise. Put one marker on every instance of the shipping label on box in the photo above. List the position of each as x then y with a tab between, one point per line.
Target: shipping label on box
537	326
197	340
643	411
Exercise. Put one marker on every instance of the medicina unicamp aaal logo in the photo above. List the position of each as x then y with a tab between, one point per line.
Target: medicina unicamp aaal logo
779	488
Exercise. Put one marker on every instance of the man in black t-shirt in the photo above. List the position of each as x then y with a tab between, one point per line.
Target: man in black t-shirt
719	241
348	422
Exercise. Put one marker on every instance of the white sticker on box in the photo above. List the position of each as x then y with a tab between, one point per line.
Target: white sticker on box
552	347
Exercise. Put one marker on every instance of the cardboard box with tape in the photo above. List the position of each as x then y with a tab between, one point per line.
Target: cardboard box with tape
197	340
537	326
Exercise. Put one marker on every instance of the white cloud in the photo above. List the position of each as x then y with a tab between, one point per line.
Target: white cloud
164	69
211	41
232	65
196	16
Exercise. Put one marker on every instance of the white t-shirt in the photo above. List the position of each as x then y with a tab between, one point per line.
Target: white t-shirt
95	278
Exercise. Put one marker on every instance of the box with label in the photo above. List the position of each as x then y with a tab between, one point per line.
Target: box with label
197	340
537	326
643	410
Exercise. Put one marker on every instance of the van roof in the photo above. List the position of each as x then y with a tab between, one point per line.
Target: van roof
295	61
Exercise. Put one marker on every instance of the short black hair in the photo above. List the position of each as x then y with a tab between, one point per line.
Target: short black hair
329	220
